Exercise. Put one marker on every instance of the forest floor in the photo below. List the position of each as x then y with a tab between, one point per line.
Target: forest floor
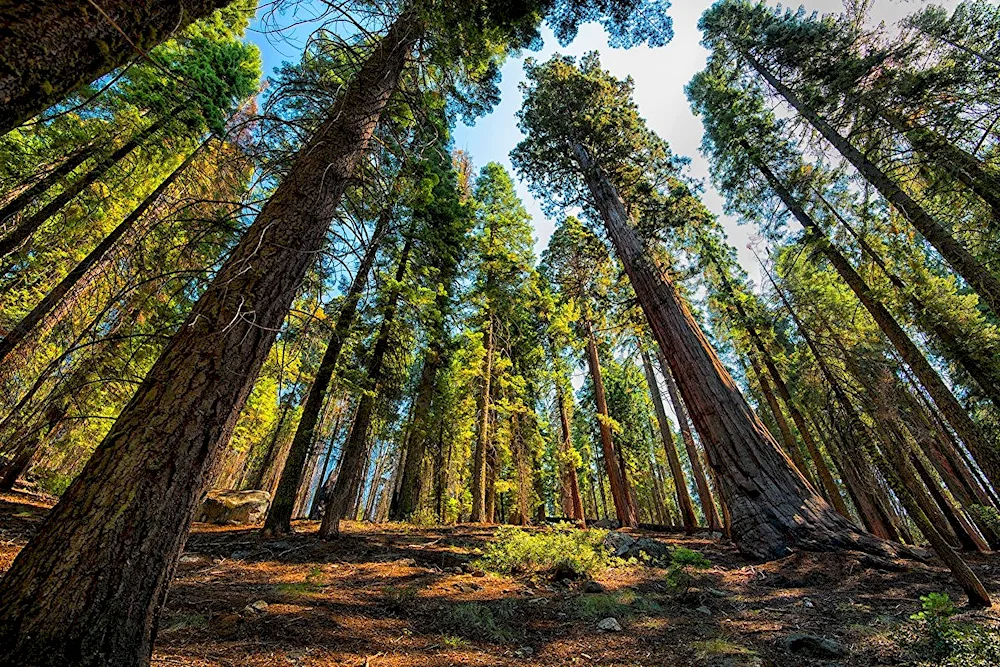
394	595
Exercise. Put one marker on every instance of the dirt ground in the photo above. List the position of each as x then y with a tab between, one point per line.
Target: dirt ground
394	595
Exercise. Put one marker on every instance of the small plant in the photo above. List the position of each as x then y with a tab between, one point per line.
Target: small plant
454	642
713	648
398	598
477	620
562	548
684	563
621	604
951	643
424	517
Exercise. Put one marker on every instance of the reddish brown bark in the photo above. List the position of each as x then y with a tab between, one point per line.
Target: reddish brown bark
773	509
88	588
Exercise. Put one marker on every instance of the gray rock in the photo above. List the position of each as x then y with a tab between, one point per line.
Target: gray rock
231	507
609	624
619	544
258	607
813	646
593	587
704	610
626	546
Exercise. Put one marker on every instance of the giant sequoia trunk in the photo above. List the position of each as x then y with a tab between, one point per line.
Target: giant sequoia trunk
684	423
279	516
355	454
965	264
688	517
26	227
624	509
773	509
985	452
52	47
88	588
43	312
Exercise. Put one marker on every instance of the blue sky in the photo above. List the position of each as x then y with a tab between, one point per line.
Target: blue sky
660	76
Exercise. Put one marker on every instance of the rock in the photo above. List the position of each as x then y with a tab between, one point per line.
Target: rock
813	646
626	546
807	603
406	562
524	652
593	587
453	570
715	592
258	607
609	624
192	559
477	573
225	623
704	610
227	506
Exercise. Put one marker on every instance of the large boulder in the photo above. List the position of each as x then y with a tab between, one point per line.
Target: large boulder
622	545
231	507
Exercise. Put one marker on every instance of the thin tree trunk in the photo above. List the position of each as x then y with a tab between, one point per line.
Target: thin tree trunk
965	264
981	448
42	185
623	509
27	227
409	489
60	45
697	470
688	518
88	588
356	449
279	516
479	457
773	508
570	481
35	319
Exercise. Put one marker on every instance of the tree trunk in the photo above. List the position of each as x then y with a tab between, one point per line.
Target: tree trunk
88	588
688	517
27	227
981	448
409	489
624	510
52	47
42	185
479	457
965	264
356	449
791	444
773	508
41	312
279	516
697	471
570	481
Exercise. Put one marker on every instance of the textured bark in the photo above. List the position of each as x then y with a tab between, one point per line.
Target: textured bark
965	264
688	517
355	454
697	470
984	451
39	316
42	185
49	48
773	509
409	489
88	588
28	226
279	516
624	510
479	514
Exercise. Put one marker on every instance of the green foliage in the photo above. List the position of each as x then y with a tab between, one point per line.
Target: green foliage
53	481
479	620
684	564
619	604
949	642
561	548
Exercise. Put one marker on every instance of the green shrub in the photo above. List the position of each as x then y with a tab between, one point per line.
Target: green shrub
950	643
684	563
560	548
424	516
621	604
477	620
52	481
